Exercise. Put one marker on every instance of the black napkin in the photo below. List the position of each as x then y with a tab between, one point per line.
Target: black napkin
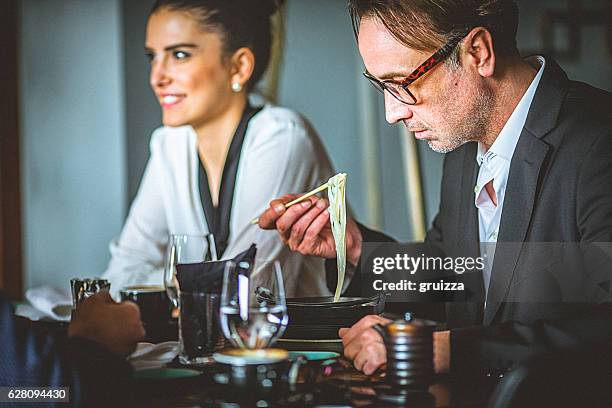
207	277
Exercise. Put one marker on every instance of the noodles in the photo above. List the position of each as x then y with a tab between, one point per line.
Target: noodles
337	211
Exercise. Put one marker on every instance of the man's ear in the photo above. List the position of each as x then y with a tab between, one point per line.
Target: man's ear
242	65
479	52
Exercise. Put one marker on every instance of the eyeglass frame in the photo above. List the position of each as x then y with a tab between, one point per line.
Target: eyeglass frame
425	67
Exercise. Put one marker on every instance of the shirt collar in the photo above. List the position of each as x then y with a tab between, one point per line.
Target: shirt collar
506	141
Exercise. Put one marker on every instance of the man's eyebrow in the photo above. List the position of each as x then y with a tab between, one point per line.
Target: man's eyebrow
175	46
396	74
390	75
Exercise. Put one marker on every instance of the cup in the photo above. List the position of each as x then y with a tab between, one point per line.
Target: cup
199	331
409	345
152	300
247	322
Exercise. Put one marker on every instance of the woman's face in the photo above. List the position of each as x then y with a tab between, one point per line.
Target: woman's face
189	75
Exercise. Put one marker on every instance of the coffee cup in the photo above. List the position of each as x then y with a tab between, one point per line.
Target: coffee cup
410	367
154	304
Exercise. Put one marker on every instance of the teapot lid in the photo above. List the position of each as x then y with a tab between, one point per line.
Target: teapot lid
409	325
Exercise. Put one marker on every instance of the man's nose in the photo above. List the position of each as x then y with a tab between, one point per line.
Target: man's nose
396	111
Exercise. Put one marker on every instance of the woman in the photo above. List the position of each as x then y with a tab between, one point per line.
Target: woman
217	161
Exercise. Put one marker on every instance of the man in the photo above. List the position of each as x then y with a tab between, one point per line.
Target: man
528	159
91	362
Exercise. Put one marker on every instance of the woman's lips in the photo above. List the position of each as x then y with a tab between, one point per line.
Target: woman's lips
167	101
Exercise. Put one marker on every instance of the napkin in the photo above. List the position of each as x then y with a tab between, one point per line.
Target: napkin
46	303
148	355
207	277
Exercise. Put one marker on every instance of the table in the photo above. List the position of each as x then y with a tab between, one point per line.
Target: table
344	387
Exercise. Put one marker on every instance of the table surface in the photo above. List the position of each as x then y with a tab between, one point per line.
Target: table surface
345	386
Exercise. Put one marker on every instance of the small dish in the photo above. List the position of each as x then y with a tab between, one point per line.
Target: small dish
314	355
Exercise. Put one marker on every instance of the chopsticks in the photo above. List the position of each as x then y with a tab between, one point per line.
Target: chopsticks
299	199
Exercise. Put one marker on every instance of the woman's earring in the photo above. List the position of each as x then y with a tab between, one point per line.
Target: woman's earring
236	87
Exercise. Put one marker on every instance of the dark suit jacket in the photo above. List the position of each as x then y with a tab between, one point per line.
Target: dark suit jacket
559	190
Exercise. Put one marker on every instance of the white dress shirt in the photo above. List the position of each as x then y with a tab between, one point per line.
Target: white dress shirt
495	165
281	154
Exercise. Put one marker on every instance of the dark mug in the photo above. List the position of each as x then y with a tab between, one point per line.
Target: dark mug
409	345
259	372
153	301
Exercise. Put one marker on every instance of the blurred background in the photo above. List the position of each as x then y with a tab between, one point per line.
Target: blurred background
77	115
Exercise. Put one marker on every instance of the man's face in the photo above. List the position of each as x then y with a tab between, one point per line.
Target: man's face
452	105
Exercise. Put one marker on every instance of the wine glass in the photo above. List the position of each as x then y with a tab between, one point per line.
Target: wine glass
184	248
247	321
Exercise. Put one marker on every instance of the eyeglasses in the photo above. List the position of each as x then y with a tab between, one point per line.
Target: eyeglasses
400	90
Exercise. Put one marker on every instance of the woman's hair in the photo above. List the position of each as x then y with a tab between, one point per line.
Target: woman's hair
240	23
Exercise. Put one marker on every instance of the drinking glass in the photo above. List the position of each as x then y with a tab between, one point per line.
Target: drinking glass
182	249
246	322
199	332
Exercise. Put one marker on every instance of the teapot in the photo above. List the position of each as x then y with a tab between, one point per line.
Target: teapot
409	345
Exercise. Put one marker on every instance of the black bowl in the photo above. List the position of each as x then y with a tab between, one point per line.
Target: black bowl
320	318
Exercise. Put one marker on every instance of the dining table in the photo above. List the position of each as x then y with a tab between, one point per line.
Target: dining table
341	385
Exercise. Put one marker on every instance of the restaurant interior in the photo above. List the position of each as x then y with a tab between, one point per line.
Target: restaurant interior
77	115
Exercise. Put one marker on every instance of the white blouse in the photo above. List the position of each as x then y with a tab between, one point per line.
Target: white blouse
281	154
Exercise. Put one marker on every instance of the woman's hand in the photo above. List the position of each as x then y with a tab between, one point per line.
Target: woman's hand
305	227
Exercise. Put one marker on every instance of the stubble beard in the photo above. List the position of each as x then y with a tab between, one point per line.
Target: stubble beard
460	125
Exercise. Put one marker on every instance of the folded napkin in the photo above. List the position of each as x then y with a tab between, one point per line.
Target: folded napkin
207	277
148	355
46	303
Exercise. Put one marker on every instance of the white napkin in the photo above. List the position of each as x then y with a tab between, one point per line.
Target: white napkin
46	303
148	355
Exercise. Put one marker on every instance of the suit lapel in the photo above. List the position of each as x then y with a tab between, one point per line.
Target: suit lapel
526	170
521	195
467	313
468	220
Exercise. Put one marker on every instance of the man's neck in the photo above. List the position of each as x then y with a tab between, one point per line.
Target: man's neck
512	79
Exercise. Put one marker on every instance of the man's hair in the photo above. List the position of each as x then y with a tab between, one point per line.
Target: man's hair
426	25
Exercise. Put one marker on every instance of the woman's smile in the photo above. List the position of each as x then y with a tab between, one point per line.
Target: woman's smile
168	100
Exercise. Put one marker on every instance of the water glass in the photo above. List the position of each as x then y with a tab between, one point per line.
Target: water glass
247	323
199	330
183	249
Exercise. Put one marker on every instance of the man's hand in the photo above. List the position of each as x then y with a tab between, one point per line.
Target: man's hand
441	344
305	227
363	344
365	347
116	326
